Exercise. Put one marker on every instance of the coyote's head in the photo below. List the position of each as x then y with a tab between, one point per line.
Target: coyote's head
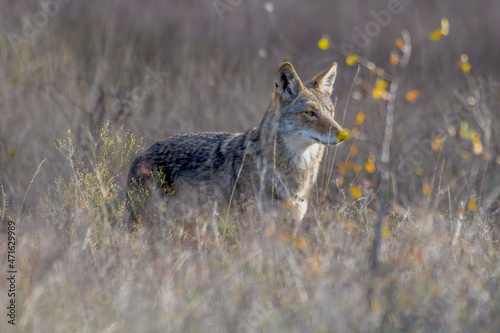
305	109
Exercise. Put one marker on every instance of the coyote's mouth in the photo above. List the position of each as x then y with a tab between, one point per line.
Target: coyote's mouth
316	140
333	139
326	140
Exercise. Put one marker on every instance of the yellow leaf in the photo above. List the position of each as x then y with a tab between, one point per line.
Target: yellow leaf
381	83
386	233
472	204
339	181
357	168
394	58
369	165
377	93
465	66
412	95
400	44
438	141
477	147
352	60
324	43
360	118
436	35
426	189
345	134
353	150
419	171
355	192
379	89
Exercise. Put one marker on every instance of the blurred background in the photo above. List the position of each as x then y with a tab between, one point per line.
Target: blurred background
157	68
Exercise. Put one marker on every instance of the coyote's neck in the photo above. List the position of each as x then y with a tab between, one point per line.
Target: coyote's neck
293	161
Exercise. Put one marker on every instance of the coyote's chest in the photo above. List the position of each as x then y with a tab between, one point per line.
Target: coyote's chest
298	168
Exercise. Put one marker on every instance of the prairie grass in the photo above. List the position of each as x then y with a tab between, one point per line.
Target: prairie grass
99	82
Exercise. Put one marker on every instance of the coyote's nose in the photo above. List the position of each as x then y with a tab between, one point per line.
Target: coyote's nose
343	135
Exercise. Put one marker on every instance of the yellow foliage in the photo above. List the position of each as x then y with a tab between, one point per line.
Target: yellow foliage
360	118
438	141
345	134
394	58
353	150
472	204
324	43
426	189
379	91
400	44
369	165
466	67
352	60
464	63
477	149
355	192
436	35
412	95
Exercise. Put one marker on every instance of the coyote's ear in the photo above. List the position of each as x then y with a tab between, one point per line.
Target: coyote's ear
324	80
287	83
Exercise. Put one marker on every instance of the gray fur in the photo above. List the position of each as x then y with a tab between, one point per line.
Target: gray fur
275	164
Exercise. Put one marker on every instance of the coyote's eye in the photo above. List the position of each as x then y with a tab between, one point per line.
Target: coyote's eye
311	113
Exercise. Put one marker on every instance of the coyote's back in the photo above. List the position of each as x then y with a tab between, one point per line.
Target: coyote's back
272	165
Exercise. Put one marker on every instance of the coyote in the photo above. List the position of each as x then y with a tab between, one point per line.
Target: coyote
272	165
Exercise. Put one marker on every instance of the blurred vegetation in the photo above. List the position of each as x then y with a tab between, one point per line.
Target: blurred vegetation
83	82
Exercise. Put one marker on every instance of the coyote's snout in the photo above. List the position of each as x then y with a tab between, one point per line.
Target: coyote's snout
275	164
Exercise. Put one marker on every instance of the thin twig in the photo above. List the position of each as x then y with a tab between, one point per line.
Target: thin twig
236	183
386	148
26	194
325	189
4	205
